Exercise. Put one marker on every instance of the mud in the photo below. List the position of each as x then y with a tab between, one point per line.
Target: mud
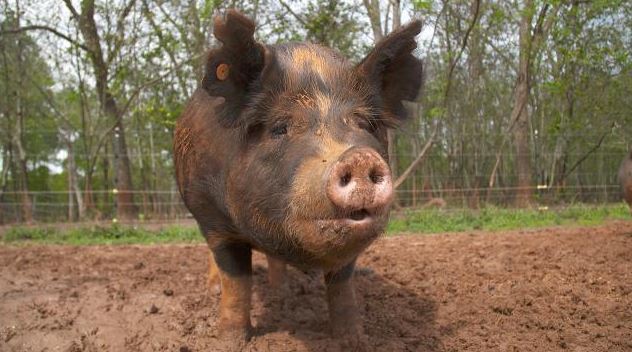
554	289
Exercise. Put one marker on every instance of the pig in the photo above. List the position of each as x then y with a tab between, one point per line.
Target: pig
282	150
625	179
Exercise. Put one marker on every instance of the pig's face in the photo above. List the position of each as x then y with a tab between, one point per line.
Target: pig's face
310	176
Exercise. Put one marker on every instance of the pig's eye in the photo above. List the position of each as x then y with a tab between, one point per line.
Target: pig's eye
364	123
279	130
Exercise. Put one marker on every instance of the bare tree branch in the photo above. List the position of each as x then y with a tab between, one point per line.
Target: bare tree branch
543	25
418	160
163	43
430	141
47	29
120	31
463	45
101	139
373	10
154	81
289	9
583	158
72	9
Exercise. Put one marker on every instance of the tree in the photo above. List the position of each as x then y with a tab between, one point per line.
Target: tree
23	70
516	94
531	36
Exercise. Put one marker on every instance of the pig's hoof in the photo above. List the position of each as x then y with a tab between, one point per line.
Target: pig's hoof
357	342
351	338
233	341
214	289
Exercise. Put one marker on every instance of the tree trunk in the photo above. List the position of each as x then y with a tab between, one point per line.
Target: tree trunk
88	196
4	177
198	39
397	15
524	193
154	175
105	167
373	10
25	198
144	178
74	194
520	114
475	116
71	181
531	38
125	207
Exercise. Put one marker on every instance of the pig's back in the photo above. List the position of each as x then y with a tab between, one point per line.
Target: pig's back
202	150
625	178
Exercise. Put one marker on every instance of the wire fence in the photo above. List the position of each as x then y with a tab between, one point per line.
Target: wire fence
166	205
98	205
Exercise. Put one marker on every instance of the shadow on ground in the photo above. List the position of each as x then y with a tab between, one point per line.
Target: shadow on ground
395	318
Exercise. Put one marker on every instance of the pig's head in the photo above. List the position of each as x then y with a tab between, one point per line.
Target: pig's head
310	177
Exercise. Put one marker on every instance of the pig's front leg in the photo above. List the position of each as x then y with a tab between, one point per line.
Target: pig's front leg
234	264
344	317
213	281
277	272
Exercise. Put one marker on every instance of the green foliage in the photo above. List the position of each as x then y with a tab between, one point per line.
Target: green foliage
495	219
115	234
581	85
422	5
416	222
25	80
208	6
332	23
325	16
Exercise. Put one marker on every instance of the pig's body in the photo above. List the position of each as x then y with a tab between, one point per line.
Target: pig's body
625	179
204	171
282	150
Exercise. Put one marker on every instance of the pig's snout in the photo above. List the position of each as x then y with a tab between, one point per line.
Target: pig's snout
360	184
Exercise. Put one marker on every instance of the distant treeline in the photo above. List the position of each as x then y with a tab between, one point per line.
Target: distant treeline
525	102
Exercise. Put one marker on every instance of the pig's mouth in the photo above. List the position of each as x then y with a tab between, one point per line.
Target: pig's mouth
334	239
360	215
357	221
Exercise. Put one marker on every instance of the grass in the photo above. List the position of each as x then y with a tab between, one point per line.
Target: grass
415	221
494	219
115	234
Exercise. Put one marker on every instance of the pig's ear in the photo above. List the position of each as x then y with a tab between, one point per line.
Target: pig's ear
393	71
232	68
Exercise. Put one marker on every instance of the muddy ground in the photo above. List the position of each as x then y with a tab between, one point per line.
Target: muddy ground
553	289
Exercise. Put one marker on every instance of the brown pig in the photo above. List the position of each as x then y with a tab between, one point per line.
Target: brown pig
625	178
282	149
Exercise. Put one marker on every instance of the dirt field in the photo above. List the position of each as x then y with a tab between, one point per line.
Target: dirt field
537	290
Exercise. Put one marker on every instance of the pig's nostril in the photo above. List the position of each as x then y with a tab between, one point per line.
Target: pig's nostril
359	185
375	176
358	215
345	179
